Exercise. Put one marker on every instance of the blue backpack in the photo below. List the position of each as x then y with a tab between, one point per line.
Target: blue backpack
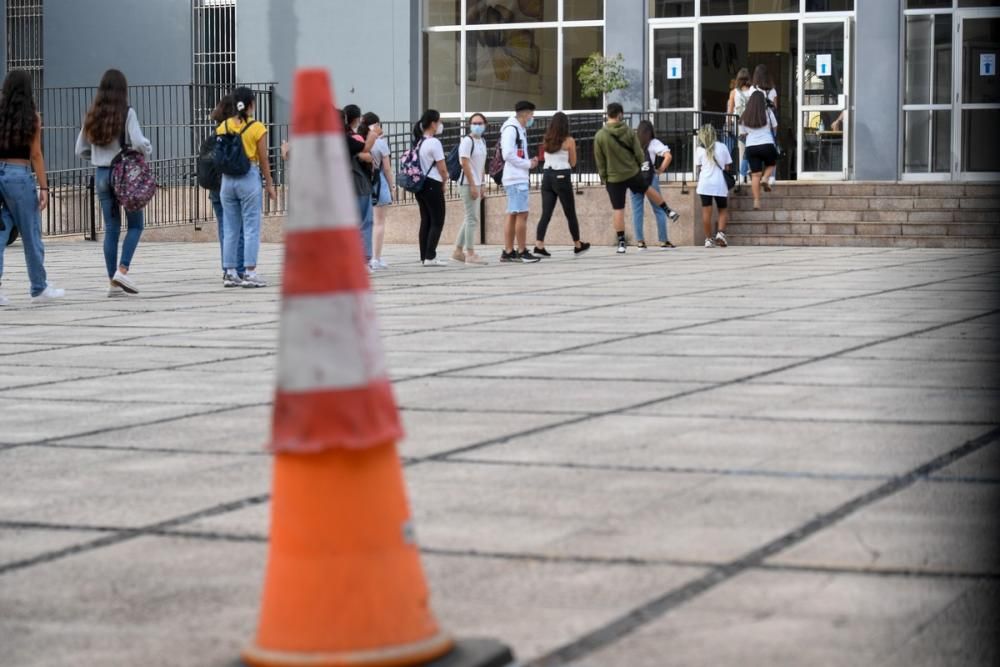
229	156
454	163
411	175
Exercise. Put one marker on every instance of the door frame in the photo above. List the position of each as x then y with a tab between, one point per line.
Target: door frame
844	104
958	71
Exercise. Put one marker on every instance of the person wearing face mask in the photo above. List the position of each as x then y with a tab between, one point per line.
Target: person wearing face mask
516	169
431	196
359	148
472	154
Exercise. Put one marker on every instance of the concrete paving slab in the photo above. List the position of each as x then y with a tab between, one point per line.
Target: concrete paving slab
690	342
929	527
18	544
29	376
982	465
523	394
772	618
885	373
736	446
610	514
120	488
122	357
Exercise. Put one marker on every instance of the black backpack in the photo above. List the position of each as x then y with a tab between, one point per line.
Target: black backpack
228	155
209	176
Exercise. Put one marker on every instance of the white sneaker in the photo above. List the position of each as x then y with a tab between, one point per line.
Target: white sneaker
115	291
251	279
771	180
382	265
720	240
123	281
232	279
709	243
621	247
373	265
435	262
3	299
50	294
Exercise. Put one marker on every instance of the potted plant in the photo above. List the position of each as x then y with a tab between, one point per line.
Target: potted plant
599	76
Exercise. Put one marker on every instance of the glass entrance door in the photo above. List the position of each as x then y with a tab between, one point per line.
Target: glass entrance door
823	133
977	117
675	79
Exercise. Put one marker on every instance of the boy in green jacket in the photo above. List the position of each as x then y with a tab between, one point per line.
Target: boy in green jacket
621	165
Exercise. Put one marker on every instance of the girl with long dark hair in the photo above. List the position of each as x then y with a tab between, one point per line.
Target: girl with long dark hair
431	196
109	119
660	157
382	186
472	156
24	196
557	183
738	98
759	125
242	201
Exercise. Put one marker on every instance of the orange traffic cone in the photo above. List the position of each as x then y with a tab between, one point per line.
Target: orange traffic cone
344	583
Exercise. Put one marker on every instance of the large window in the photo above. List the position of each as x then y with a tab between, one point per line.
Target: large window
485	55
24	39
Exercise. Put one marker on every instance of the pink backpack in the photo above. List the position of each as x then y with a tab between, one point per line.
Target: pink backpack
132	178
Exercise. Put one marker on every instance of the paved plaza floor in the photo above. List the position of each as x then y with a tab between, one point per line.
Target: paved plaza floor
749	456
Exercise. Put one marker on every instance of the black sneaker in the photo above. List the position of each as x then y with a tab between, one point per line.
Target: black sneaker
528	258
621	247
667	245
509	257
673	215
541	252
641	245
584	247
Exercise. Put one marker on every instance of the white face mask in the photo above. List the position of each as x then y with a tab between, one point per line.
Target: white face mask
440	129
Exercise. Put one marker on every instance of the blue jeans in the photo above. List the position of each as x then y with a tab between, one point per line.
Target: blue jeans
242	209
112	214
638	204
367	220
216	200
20	209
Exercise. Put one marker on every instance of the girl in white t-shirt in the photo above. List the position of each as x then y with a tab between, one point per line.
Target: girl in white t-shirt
431	196
472	155
711	158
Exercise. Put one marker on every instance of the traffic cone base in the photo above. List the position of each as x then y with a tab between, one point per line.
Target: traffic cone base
354	592
404	656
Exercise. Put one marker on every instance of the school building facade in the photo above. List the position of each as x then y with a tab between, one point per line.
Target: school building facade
913	82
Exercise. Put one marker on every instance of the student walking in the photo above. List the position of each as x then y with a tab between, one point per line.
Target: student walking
226	108
431	196
383	186
242	200
516	170
557	184
110	119
23	196
659	156
620	164
759	125
472	155
738	98
763	82
711	159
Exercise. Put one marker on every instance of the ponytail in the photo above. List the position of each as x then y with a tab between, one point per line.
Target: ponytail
243	97
430	116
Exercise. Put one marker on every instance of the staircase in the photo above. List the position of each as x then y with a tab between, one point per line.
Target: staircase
912	215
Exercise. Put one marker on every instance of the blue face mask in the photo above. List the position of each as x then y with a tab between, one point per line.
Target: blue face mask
531	121
477	130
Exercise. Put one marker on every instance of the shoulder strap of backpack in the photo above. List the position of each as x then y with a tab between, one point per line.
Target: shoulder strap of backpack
123	142
247	126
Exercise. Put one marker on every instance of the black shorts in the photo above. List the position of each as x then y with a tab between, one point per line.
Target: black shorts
765	155
617	191
720	202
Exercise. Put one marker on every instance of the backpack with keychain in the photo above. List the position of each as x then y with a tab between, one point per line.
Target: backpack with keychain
229	156
132	180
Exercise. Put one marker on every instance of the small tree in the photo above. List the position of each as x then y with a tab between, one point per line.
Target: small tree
599	76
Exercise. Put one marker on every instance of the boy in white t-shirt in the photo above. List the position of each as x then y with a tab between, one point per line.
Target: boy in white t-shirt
711	159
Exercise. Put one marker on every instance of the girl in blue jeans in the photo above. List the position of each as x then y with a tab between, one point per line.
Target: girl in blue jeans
659	157
109	119
226	108
22	200
242	201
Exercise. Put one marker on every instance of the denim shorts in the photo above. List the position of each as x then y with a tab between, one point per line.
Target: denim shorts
517	197
384	193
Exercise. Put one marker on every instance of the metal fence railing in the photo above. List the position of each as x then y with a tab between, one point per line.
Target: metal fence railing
74	209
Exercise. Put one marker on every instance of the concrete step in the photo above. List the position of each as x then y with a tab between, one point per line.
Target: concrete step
792	202
855	240
866	229
773	213
946	190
